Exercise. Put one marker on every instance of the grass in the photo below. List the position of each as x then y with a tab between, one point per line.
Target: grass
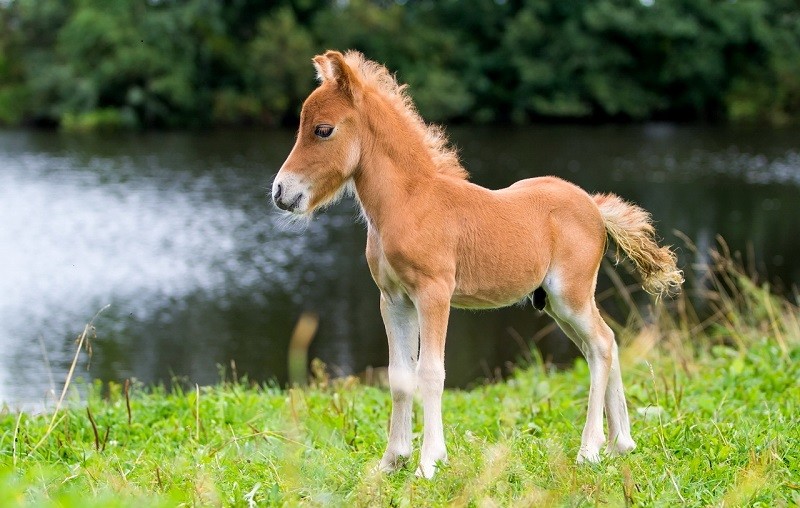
715	407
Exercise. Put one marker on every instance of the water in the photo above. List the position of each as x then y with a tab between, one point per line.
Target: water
175	233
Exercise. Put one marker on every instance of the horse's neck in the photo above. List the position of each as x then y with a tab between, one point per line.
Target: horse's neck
387	185
392	175
385	190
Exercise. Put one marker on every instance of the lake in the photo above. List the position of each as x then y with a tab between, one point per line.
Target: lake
175	232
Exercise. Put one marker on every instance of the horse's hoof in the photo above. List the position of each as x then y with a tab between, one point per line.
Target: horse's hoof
426	471
588	457
620	446
427	467
391	462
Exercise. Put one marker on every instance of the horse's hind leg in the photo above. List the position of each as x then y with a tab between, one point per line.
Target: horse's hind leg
619	427
573	307
597	353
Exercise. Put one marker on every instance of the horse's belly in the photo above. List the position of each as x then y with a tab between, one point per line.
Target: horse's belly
494	294
499	277
484	302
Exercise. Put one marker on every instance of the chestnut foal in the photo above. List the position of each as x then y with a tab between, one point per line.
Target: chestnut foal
436	240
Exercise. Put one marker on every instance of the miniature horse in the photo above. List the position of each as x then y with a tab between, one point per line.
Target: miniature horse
436	240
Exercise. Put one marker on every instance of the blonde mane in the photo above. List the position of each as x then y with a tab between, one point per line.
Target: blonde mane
444	156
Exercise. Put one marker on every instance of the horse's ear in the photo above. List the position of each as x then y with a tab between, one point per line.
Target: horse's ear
343	74
323	66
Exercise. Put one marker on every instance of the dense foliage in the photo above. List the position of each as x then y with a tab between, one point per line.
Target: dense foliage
88	64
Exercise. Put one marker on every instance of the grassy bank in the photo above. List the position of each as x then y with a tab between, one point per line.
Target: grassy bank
715	409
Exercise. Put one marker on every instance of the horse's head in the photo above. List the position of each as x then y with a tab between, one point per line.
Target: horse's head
327	150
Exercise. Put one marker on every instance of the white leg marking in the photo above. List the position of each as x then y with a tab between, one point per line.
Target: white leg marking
587	330
402	329
433	317
592	439
619	427
431	379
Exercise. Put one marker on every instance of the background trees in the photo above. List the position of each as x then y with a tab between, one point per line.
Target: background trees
93	64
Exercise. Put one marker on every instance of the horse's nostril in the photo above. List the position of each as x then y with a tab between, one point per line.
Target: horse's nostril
278	191
294	203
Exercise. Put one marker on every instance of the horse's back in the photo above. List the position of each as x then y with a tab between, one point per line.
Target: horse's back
550	187
566	211
555	195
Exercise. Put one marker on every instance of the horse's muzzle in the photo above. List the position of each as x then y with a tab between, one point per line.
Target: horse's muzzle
286	203
288	194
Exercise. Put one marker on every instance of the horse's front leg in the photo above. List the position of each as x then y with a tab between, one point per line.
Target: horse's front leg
402	329
433	306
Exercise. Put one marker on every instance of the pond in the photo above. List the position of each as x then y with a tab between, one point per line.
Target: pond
176	234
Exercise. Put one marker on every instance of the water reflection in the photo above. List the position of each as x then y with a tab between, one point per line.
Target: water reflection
175	232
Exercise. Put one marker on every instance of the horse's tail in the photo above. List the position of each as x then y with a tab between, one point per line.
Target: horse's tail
632	230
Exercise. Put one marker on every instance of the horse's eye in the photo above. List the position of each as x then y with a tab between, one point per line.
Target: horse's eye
323	130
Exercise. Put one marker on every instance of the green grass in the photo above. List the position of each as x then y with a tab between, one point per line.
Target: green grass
715	408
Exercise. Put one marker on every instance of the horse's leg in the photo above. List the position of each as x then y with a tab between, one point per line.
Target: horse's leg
402	329
433	307
575	311
616	409
619	427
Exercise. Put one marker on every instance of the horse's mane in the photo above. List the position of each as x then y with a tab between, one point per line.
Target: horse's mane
444	156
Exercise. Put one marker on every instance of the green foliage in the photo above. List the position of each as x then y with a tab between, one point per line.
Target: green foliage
201	62
412	41
12	104
106	119
276	73
769	89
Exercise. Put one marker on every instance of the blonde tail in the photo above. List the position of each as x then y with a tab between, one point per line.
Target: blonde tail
630	227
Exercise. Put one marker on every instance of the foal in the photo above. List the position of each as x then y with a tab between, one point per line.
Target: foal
436	240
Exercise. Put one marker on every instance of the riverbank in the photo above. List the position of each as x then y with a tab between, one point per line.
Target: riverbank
715	408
